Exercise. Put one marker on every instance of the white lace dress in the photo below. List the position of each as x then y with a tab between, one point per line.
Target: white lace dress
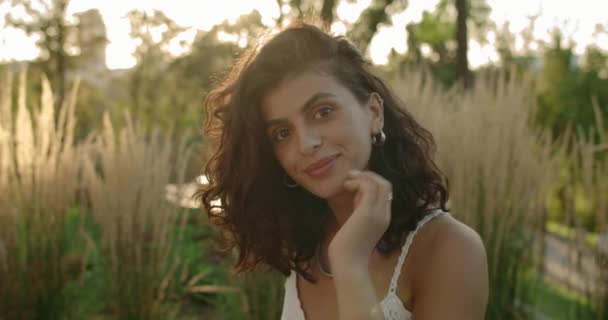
392	307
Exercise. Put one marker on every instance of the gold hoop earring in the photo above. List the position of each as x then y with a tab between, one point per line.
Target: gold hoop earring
286	182
378	139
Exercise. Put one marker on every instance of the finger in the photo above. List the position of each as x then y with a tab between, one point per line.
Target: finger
372	185
383	186
382	204
367	189
351	183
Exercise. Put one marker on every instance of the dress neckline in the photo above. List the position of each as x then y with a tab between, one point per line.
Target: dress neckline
384	302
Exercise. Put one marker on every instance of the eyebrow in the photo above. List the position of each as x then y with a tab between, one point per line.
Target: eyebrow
304	108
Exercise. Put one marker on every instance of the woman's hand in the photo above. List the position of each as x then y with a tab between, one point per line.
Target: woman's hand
351	247
371	216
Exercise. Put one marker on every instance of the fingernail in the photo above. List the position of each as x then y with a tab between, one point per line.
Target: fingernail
354	172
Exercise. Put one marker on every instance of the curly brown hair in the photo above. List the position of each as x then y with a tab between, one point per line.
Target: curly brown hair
279	226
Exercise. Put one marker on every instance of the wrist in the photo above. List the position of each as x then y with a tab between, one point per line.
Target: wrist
349	269
342	257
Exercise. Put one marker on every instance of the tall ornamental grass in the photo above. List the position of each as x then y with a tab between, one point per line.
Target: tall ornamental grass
140	266
126	177
589	160
39	182
498	167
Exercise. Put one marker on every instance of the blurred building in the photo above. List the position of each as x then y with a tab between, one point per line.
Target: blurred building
90	62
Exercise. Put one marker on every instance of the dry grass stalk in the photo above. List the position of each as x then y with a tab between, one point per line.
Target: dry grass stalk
126	177
39	181
498	168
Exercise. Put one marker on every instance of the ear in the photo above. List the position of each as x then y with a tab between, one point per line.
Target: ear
376	107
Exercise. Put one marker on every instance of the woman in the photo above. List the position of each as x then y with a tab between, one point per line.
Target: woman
322	175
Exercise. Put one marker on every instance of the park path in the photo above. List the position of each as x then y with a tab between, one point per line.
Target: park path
569	267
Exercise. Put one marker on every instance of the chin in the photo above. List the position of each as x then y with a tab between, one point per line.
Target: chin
326	190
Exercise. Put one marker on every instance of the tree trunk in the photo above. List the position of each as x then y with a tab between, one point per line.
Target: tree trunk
366	27
280	17
462	61
61	54
327	13
56	45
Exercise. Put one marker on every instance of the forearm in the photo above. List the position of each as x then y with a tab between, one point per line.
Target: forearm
356	295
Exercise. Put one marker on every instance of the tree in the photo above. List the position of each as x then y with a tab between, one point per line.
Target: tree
437	42
153	58
434	35
364	29
309	9
207	62
327	13
462	38
55	37
568	87
361	32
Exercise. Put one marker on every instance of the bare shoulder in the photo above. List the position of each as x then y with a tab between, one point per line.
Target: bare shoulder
451	271
444	237
448	235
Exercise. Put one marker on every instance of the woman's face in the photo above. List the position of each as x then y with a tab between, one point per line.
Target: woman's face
320	131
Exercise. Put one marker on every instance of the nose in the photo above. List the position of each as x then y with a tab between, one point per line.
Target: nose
309	140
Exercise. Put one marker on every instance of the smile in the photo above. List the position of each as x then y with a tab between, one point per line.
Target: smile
322	167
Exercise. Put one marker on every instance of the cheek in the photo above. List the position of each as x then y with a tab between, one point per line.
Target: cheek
358	143
354	135
285	159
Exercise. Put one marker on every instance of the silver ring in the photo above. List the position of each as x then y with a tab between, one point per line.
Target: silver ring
389	197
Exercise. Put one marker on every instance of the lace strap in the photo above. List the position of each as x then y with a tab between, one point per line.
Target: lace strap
406	248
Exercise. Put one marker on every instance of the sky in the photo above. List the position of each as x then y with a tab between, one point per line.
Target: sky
577	19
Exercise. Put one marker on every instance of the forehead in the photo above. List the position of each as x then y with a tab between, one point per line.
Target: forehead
294	91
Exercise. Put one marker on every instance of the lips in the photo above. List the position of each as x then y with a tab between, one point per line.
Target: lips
321	167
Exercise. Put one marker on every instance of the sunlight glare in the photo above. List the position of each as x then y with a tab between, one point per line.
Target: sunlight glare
425	49
350	11
385	40
413	12
479	55
182	43
12	46
576	22
395	36
157	33
338	28
227	37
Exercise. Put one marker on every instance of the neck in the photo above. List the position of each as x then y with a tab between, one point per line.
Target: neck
341	207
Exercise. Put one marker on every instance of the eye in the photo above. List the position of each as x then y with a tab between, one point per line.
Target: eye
280	134
323	112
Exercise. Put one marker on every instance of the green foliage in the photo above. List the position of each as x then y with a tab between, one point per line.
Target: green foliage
39	186
260	298
566	232
168	92
567	90
58	38
550	301
508	252
432	41
259	294
57	259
